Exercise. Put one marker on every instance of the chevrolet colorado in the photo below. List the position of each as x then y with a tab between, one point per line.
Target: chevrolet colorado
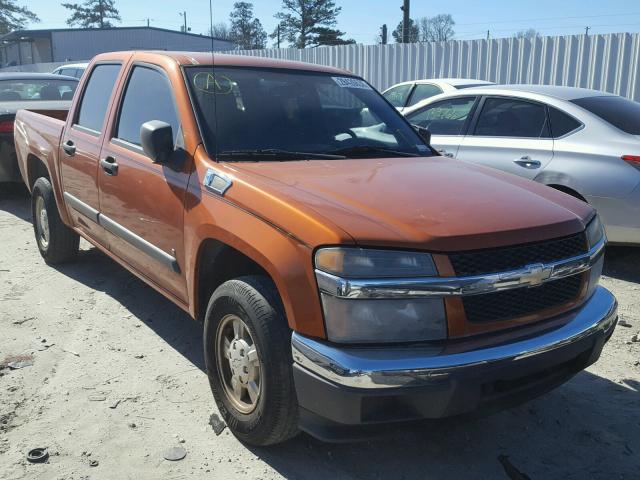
346	274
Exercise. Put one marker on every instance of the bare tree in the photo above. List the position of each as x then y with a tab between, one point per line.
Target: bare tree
221	31
529	33
437	29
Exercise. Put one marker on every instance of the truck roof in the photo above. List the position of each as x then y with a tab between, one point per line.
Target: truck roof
221	59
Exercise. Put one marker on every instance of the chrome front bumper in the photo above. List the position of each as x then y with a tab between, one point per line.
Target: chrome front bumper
375	368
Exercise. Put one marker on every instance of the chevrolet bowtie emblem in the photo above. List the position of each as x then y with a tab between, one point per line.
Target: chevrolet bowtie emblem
535	274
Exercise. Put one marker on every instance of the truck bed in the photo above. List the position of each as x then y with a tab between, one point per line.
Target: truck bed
38	133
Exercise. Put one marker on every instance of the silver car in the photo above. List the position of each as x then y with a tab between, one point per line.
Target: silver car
583	142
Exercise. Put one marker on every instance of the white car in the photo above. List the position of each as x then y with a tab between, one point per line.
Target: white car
406	94
71	70
583	142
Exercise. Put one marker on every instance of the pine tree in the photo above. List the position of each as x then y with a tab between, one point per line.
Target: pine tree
93	13
14	17
246	31
301	20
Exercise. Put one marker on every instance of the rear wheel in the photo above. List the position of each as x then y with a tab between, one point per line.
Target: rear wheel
57	243
247	346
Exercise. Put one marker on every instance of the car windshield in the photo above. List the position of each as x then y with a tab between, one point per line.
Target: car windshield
36	89
271	114
618	111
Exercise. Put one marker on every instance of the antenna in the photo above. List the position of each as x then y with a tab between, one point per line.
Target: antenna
213	75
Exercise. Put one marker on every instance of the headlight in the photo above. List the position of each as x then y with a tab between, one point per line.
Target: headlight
595	231
357	320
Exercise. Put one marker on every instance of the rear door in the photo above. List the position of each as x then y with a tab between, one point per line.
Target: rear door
510	134
447	120
142	202
80	148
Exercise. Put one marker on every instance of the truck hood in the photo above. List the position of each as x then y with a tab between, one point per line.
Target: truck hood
431	203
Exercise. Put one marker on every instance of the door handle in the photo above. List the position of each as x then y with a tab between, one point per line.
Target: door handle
527	162
109	165
444	153
69	148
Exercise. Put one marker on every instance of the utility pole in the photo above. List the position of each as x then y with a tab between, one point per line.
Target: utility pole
488	32
406	19
184	17
586	30
278	35
384	34
148	22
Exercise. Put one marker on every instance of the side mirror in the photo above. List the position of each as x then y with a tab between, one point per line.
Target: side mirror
425	134
156	138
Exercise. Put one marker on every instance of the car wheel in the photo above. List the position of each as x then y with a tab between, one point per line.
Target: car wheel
247	345
57	243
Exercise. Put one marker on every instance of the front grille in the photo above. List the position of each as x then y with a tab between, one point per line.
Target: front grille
510	304
510	258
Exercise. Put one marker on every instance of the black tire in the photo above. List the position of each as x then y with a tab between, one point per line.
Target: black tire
62	243
255	300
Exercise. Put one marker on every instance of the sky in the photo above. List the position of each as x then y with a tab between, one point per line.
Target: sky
362	19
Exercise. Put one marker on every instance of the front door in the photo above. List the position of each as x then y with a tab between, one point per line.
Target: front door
510	134
80	150
142	202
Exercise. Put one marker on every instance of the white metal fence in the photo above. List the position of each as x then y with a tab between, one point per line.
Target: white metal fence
608	62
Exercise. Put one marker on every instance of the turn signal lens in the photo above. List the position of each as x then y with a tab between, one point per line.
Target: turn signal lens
632	159
6	126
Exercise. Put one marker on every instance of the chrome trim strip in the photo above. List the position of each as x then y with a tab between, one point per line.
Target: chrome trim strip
81	207
127	235
139	242
398	366
529	276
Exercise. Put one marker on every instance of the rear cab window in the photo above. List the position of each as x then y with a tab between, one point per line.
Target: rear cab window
95	101
147	96
620	112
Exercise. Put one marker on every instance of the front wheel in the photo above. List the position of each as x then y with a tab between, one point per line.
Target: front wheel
247	346
57	242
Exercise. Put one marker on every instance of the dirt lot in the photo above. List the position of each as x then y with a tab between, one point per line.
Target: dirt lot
117	378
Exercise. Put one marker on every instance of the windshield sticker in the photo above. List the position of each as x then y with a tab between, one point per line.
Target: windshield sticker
348	82
210	83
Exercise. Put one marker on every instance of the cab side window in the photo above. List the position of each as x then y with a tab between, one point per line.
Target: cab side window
96	96
507	117
397	96
447	117
148	96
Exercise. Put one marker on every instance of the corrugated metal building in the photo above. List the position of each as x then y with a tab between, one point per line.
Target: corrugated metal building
23	47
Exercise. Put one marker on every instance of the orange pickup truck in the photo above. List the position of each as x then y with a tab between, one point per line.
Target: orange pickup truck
347	276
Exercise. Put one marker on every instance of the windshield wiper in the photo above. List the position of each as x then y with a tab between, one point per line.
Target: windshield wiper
278	154
367	149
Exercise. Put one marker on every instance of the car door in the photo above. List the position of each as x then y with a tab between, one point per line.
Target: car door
510	134
447	121
398	95
80	149
142	202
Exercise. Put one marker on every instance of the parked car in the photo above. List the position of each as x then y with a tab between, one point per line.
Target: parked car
41	91
406	94
71	70
583	142
346	275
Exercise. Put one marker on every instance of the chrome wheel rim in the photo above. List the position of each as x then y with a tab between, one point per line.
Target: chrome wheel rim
239	366
42	223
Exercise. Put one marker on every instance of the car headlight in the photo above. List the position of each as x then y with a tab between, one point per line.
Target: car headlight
378	320
595	231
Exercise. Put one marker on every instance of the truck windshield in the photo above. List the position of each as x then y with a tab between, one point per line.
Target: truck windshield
35	89
259	114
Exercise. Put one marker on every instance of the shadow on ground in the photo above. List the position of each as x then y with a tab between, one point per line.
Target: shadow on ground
588	428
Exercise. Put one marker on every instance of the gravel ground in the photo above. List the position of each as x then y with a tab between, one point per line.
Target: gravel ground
117	379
